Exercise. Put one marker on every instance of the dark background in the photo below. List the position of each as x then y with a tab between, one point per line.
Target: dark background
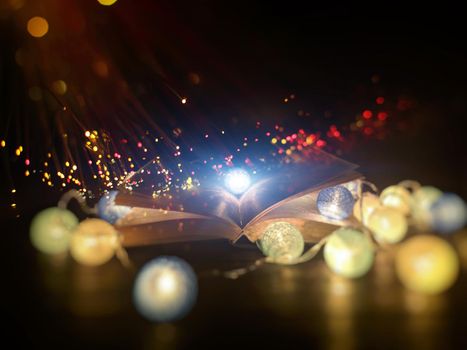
261	52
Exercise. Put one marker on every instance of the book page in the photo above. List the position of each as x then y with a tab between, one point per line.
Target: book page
302	172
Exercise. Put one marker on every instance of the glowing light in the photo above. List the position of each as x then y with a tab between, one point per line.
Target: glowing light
165	289
3	143
108	210
184	100
107	2
35	93
427	264
388	225
237	181
51	229
335	202
59	87
368	203
349	253
93	242
37	26
448	213
397	197
281	241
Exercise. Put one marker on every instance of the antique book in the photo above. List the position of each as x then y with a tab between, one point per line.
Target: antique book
209	211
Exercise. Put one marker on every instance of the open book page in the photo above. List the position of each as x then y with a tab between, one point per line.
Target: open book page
301	211
305	171
145	226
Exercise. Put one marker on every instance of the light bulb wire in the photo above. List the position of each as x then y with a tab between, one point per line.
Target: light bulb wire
77	196
120	252
366	231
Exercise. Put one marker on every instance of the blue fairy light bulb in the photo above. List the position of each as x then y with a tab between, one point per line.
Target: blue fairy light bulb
165	289
237	181
281	241
335	202
108	210
51	230
448	213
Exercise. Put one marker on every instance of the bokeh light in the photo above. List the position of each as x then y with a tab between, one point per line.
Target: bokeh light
107	2
38	26
427	264
165	289
388	225
51	230
94	242
349	253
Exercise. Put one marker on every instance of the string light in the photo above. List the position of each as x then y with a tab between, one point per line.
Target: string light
388	225
335	202
396	197
281	241
37	26
165	289
448	213
51	230
94	242
366	204
349	253
423	198
427	264
108	210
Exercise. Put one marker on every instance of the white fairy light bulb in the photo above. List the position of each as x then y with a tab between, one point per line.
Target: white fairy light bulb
335	202
349	253
397	197
367	203
281	241
51	229
94	242
427	264
165	289
423	198
388	225
237	181
108	210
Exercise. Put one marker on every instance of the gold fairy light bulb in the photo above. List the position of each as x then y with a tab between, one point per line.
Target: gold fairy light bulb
397	197
94	242
388	225
427	264
51	230
281	241
349	253
367	203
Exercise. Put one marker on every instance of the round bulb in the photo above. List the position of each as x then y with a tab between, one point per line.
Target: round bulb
108	210
367	203
427	264
165	289
396	197
388	225
335	202
281	241
448	213
349	253
51	230
237	181
94	242
423	198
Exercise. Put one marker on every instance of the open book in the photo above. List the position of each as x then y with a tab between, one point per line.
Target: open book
209	211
